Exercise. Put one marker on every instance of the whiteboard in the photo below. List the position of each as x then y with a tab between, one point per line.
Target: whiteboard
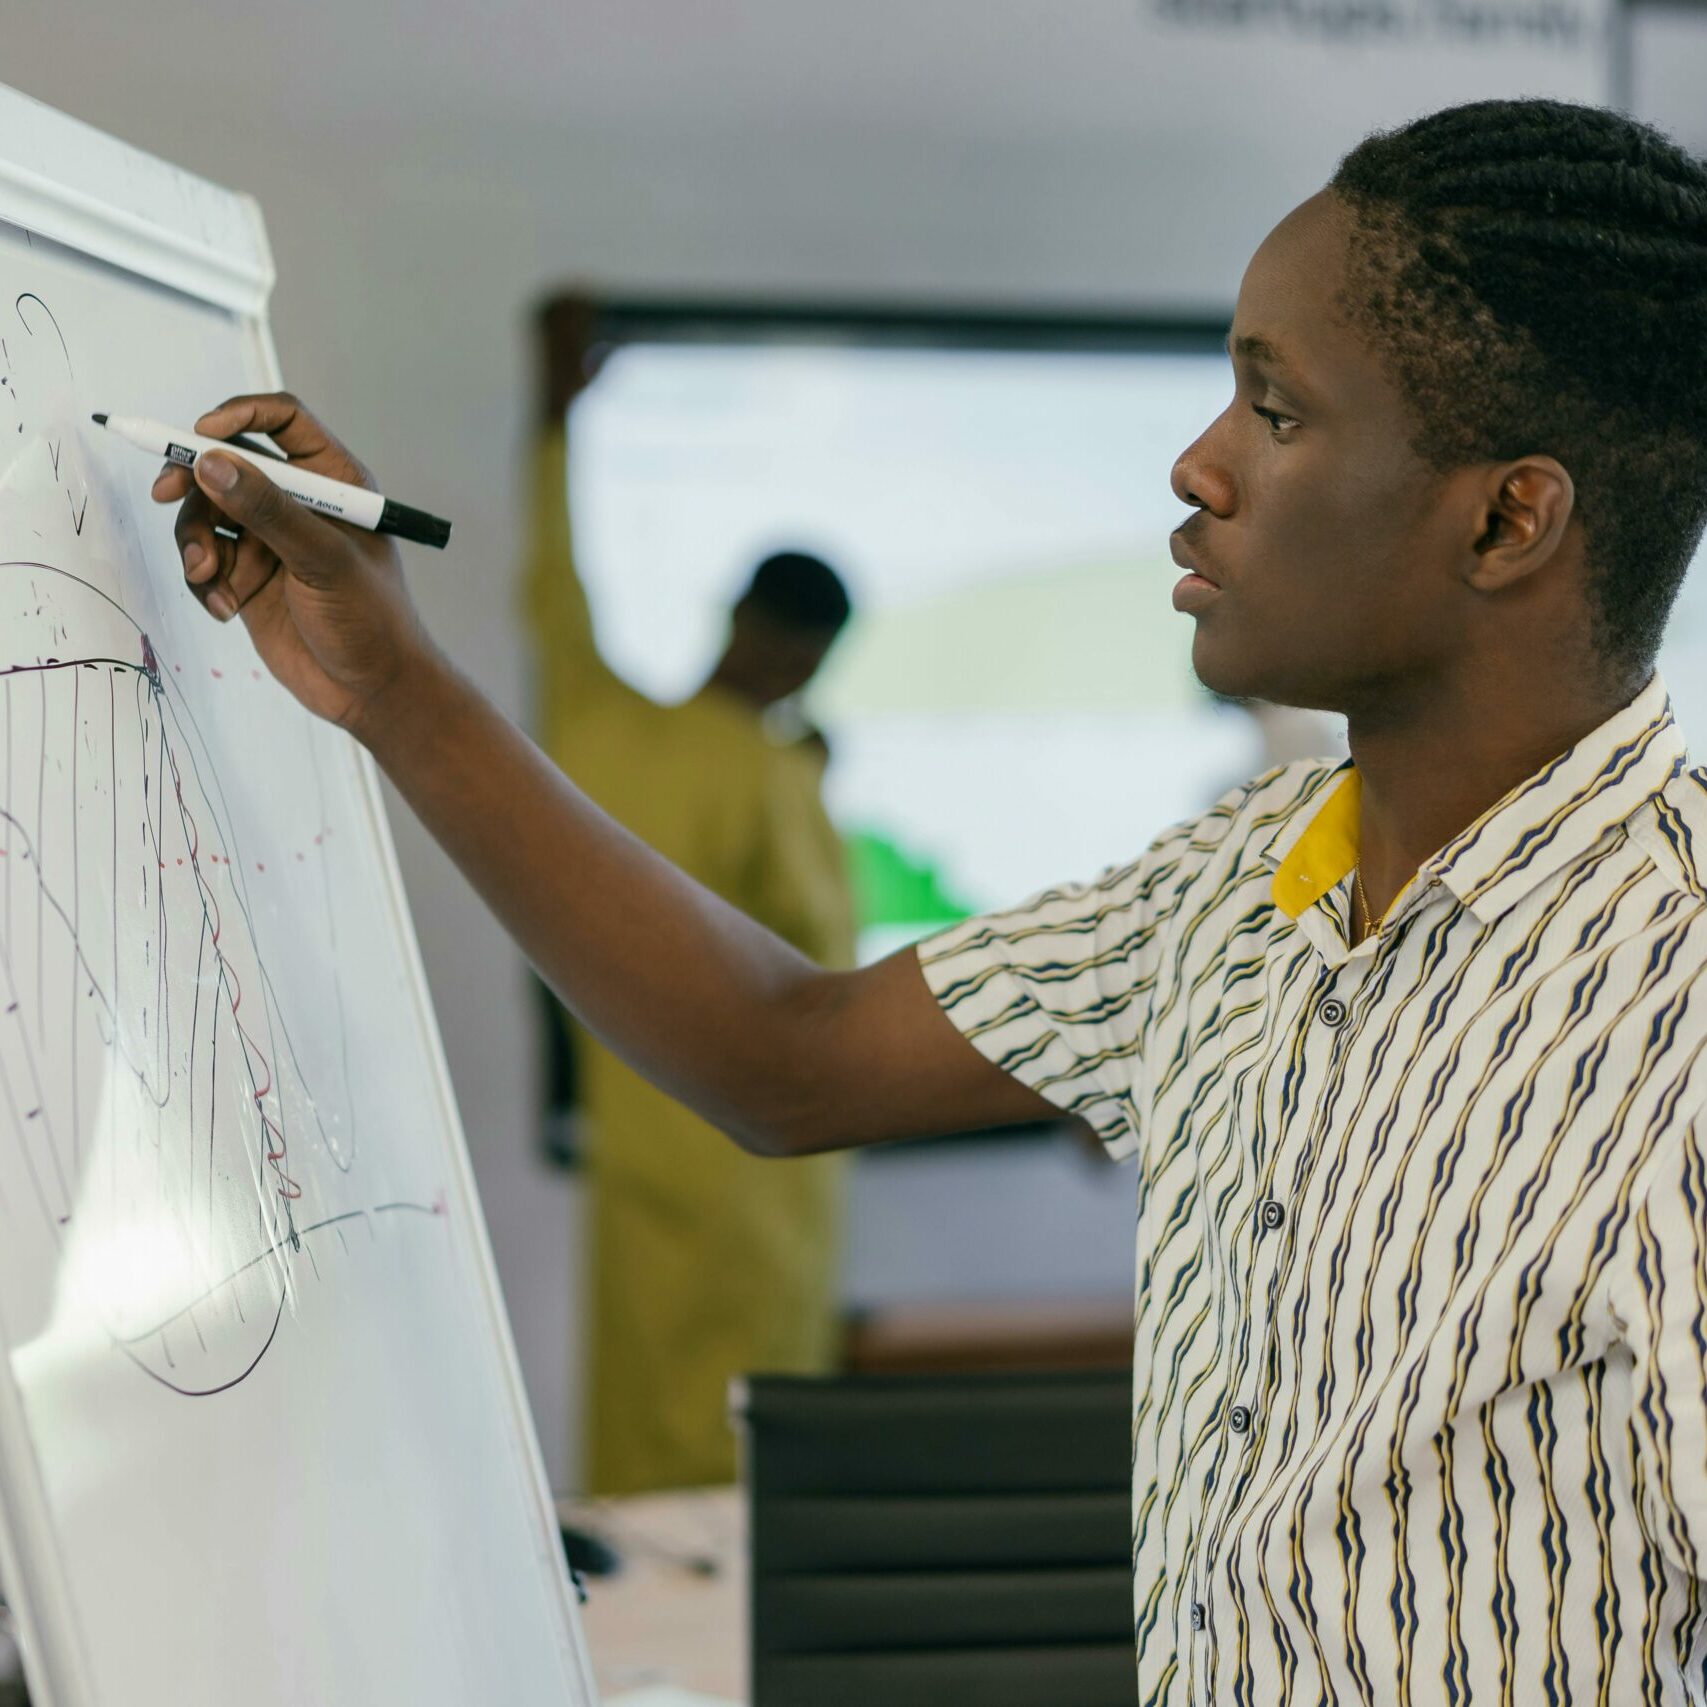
263	1437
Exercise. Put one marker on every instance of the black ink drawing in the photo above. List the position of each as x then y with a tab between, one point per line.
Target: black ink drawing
150	1089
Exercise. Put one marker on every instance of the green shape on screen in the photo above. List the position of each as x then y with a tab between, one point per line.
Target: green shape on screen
891	889
1093	638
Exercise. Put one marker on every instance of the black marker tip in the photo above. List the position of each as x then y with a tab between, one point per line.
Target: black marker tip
99	420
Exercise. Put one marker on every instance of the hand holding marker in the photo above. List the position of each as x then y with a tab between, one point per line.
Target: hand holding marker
325	605
334	498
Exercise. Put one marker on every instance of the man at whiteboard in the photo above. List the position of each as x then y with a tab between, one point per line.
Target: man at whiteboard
705	1262
1410	1051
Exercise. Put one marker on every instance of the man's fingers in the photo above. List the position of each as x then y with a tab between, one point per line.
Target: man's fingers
250	501
235	525
202	550
171	484
291	427
252	566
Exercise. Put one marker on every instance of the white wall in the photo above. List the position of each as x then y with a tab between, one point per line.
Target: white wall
427	169
1668	69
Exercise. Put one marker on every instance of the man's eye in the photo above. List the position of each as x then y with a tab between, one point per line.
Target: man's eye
1273	418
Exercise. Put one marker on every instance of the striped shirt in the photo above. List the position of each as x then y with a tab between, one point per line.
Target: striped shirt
1420	1362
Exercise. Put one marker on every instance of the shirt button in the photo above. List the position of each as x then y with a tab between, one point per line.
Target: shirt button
1239	1419
1272	1213
1197	1616
1332	1011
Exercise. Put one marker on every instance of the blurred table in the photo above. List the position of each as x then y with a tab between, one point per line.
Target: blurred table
938	1338
675	1616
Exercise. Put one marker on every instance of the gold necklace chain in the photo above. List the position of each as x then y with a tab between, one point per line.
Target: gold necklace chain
1371	926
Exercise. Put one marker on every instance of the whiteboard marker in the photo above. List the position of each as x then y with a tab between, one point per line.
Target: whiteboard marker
334	498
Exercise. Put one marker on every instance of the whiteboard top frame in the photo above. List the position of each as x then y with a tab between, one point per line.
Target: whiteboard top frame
56	180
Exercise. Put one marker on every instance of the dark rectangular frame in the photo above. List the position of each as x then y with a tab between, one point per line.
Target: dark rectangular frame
898	324
902	324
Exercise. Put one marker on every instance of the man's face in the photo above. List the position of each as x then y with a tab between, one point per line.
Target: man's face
1330	541
792	659
775	659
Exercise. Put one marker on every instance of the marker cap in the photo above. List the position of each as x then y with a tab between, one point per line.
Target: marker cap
409	523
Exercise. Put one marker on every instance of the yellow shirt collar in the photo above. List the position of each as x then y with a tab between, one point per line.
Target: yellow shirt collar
1553	817
1325	852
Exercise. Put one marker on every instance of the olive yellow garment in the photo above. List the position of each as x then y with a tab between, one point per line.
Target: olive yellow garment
705	1262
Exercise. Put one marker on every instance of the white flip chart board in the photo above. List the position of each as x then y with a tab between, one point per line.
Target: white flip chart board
262	1431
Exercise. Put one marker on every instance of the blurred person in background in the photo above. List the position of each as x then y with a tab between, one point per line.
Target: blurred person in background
705	1261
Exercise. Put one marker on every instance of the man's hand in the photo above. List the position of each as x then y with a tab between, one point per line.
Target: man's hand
324	603
571	351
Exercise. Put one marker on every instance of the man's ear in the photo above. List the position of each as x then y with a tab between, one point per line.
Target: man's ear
1526	508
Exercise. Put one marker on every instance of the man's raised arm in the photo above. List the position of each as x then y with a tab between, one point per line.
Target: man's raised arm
785	1057
573	677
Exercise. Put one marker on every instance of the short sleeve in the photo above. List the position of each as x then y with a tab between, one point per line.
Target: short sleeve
1662	1298
1057	993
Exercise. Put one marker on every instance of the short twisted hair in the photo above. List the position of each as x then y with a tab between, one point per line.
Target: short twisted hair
800	591
1534	275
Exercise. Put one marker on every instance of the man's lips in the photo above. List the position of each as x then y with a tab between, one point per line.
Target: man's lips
1186	558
